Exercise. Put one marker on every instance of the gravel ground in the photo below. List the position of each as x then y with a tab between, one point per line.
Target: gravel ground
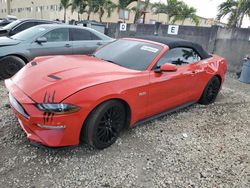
201	146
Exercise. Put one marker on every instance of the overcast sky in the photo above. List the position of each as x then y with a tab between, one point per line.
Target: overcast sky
206	8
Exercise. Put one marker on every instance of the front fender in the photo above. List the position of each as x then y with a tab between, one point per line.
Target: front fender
125	90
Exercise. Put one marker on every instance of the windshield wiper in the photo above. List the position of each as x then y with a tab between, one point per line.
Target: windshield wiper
111	62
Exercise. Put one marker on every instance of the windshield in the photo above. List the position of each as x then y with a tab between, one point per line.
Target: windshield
134	55
11	25
29	33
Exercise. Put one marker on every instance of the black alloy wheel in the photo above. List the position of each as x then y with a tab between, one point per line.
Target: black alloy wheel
104	124
9	66
211	91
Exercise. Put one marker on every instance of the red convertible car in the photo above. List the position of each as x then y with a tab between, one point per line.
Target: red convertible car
62	100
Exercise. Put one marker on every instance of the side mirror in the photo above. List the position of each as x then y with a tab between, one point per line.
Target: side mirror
12	32
167	67
41	40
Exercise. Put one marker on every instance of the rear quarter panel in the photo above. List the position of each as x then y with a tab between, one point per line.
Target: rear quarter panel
213	66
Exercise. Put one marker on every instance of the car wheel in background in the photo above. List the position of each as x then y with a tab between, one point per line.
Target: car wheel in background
10	65
104	124
211	91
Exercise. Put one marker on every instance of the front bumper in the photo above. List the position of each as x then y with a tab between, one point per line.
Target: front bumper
43	128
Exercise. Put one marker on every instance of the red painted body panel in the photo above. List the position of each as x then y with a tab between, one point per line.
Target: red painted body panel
87	82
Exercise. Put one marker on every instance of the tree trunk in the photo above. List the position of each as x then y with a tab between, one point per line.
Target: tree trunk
136	16
241	20
100	18
137	11
89	12
101	13
182	23
168	19
144	18
65	15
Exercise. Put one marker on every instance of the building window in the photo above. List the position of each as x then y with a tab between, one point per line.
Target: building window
28	9
123	14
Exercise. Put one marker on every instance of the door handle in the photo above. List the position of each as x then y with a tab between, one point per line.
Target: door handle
192	73
99	43
67	45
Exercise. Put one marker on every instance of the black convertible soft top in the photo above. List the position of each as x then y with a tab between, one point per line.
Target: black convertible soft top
175	42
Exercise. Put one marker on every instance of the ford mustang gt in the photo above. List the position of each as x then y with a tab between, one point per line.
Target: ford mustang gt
62	100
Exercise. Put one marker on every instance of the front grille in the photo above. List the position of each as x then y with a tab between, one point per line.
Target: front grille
17	106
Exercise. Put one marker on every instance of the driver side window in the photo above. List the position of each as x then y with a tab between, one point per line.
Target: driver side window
57	35
179	56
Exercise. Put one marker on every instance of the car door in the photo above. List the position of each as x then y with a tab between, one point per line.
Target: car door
84	41
57	43
172	89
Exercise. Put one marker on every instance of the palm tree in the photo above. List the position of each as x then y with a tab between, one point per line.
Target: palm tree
187	12
172	8
140	10
92	6
236	9
65	4
104	5
244	10
79	6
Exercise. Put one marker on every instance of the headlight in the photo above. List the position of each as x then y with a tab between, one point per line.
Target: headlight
59	108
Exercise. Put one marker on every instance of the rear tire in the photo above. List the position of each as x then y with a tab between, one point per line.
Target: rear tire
9	66
211	91
104	124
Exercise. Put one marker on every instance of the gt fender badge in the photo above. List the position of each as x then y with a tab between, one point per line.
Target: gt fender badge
142	94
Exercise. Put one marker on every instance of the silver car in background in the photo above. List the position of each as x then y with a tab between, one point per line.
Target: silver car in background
43	40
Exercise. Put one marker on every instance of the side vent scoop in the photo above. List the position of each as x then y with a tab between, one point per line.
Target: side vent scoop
54	77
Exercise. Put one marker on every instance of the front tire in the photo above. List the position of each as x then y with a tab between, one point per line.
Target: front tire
211	91
9	66
104	124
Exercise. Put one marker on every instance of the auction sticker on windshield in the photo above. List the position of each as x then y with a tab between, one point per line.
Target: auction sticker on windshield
149	49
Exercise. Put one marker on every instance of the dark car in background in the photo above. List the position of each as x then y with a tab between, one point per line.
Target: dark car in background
46	40
7	20
21	25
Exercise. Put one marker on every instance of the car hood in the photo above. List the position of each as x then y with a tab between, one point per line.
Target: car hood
5	41
62	76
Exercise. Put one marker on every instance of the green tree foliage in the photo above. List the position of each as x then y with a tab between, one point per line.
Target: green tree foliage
104	5
236	10
172	8
79	6
65	4
186	12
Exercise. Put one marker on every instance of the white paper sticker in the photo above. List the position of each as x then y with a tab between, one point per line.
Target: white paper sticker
149	49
